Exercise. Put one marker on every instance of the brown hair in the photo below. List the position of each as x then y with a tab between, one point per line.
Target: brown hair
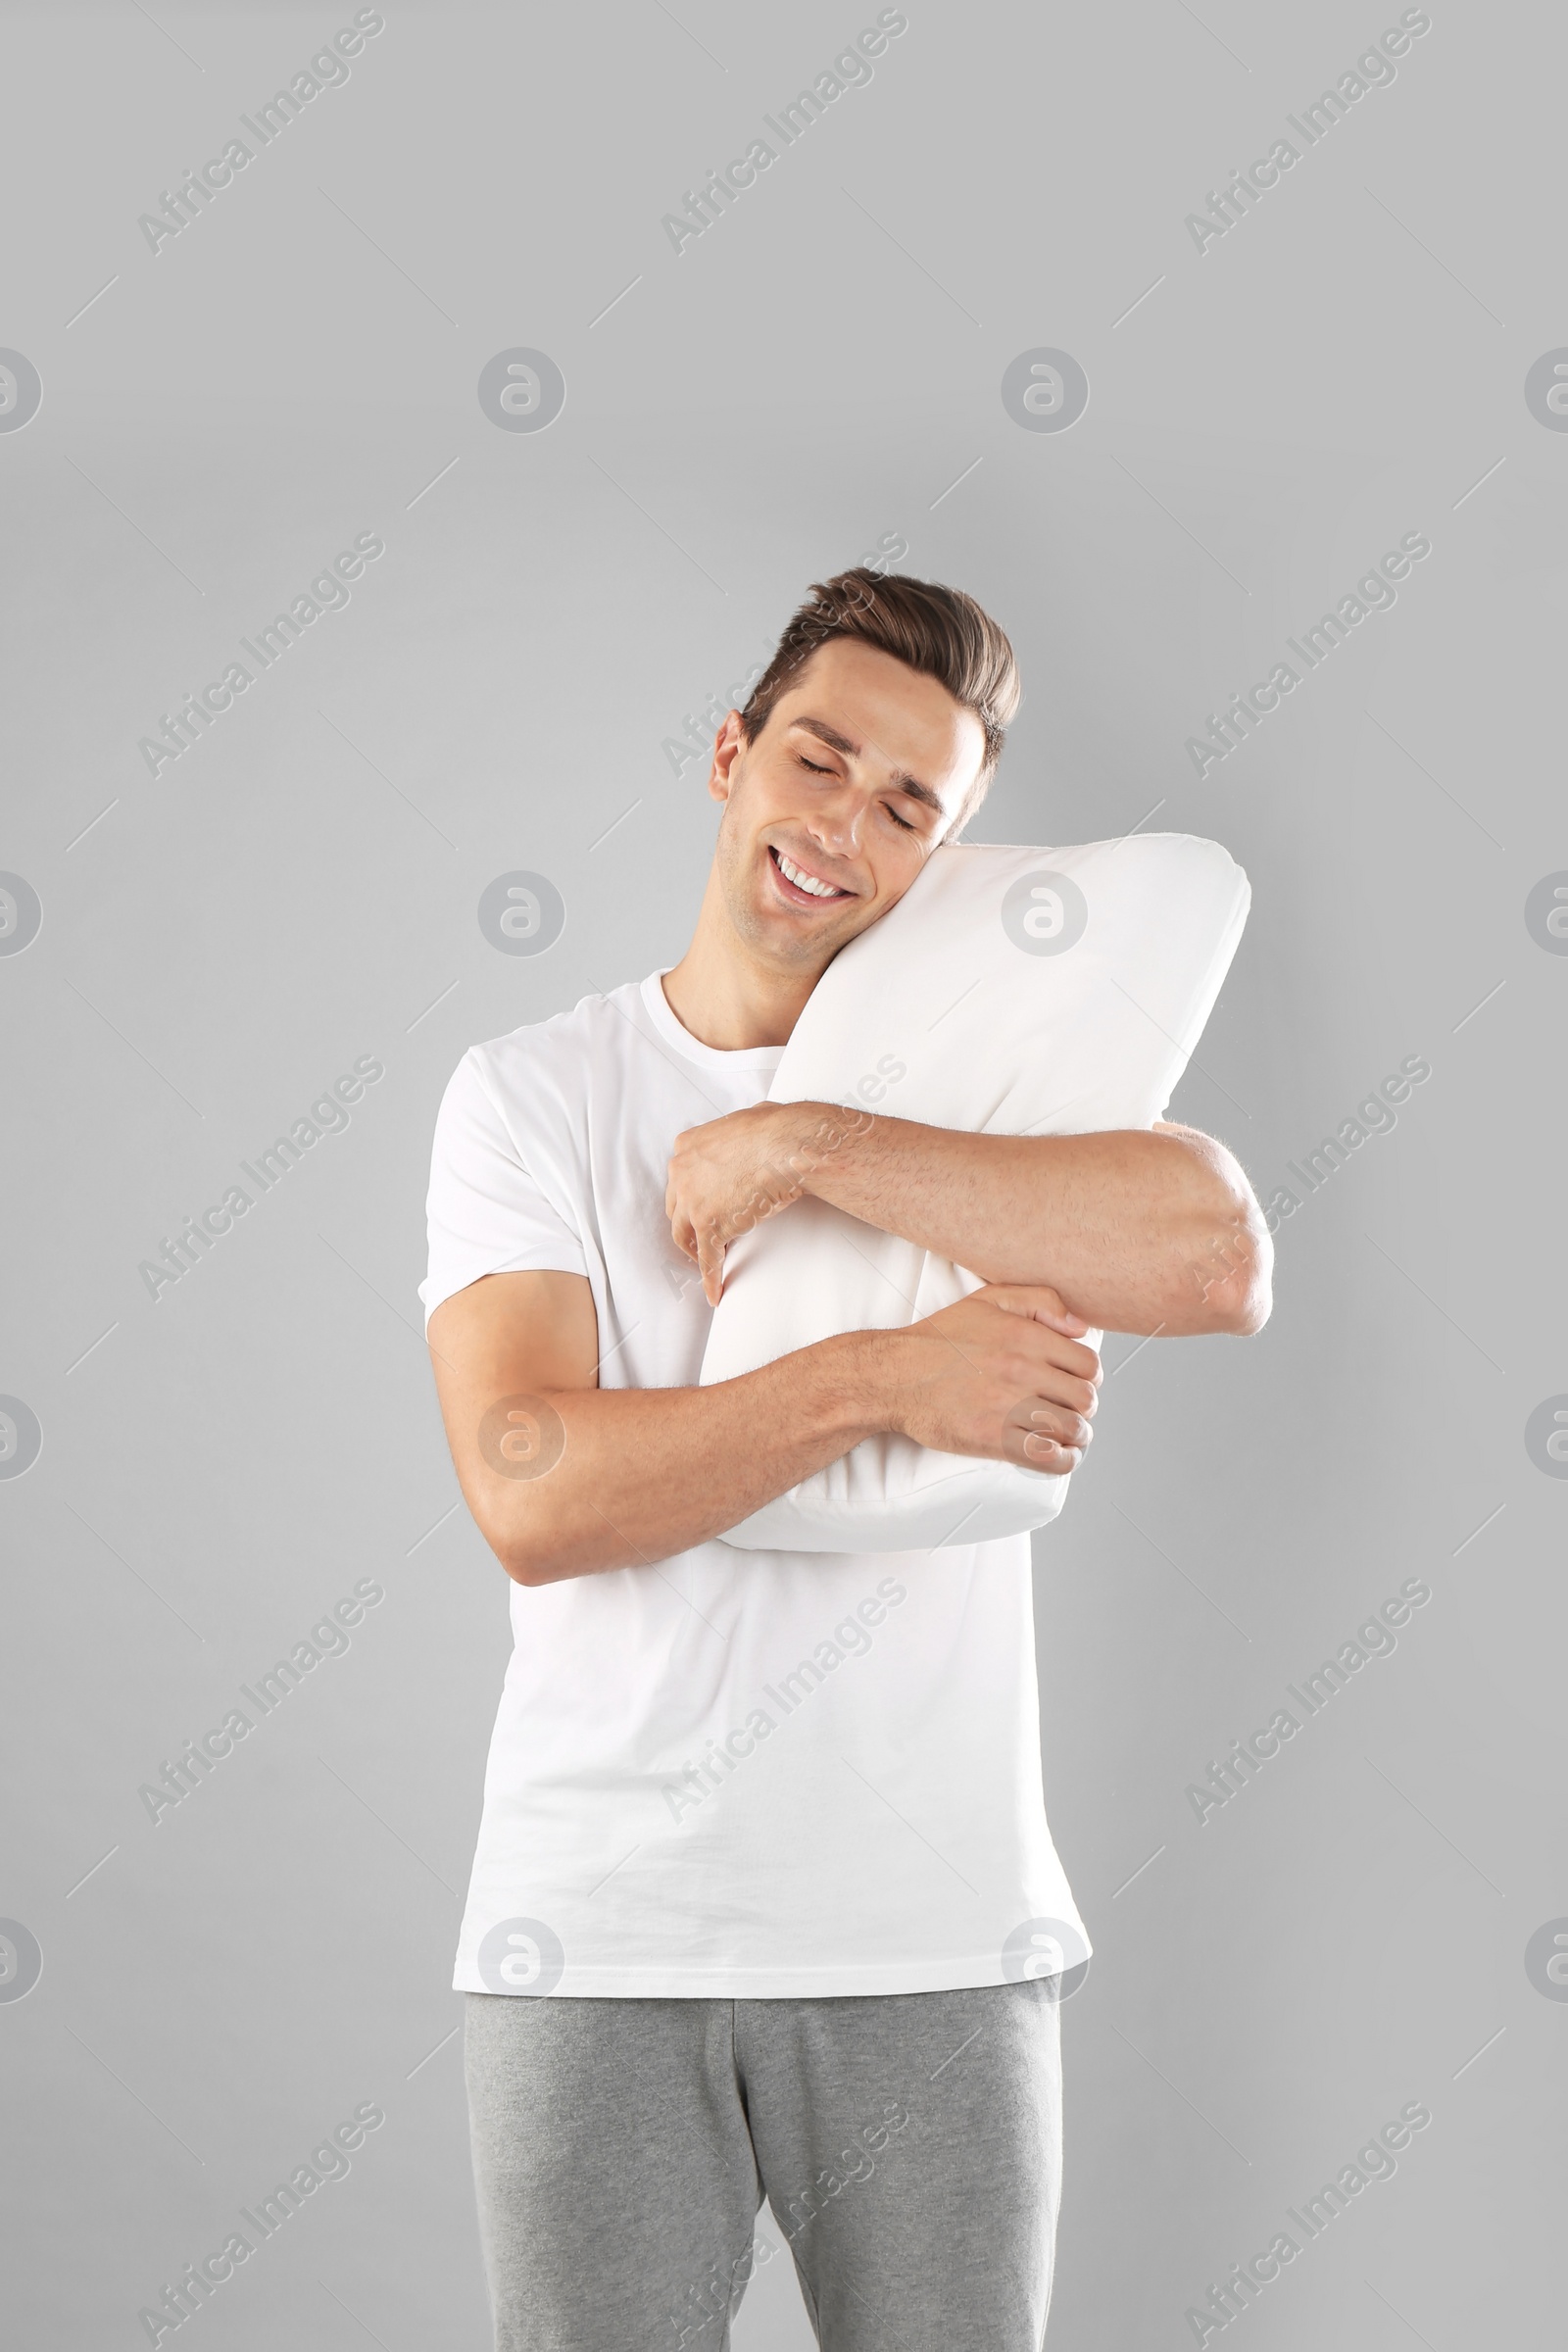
939	632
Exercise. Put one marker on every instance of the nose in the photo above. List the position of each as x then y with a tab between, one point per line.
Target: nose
836	819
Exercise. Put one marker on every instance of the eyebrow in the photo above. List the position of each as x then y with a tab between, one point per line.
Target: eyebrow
899	781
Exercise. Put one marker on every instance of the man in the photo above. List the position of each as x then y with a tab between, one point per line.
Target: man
758	1825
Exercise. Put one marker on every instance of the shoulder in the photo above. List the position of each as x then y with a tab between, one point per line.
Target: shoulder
546	1068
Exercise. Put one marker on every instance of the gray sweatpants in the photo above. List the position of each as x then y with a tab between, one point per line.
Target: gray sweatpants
909	2144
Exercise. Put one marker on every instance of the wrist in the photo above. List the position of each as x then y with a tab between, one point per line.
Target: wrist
821	1134
864	1387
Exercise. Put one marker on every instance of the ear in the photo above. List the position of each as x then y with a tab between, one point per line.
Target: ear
726	751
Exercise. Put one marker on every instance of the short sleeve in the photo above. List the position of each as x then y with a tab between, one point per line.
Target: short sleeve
487	1212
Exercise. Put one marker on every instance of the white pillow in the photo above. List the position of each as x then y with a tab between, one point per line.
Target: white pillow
1011	991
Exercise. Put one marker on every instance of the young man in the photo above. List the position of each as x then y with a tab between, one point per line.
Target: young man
758	1825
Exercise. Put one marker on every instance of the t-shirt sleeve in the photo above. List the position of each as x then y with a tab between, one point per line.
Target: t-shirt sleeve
486	1213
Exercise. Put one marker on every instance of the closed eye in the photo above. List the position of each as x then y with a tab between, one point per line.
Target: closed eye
811	764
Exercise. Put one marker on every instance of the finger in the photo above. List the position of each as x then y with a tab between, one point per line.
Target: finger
1039	1301
1043	1418
709	1255
685	1236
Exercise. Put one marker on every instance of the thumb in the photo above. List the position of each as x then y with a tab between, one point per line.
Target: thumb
1040	1302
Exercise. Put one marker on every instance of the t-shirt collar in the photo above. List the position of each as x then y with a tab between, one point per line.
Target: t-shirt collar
737	1058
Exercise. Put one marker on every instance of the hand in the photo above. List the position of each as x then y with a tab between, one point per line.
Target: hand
728	1175
1002	1374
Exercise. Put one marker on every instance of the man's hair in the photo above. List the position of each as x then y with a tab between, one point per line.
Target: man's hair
939	632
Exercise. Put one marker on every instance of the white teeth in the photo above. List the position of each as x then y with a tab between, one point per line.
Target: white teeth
792	873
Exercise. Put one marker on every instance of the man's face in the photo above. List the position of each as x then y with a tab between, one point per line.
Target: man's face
832	812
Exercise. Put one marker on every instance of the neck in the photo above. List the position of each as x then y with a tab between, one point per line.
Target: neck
727	996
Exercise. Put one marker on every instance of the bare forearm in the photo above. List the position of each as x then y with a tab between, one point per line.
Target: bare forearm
1139	1231
645	1472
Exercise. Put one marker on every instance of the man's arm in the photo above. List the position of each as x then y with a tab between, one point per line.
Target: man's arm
1140	1230
565	1477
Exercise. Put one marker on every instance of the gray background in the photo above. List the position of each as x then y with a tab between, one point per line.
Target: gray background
217	944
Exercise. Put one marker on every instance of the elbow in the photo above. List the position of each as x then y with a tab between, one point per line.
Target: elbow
1243	1299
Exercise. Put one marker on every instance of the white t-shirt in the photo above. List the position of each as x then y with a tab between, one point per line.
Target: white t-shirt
744	1775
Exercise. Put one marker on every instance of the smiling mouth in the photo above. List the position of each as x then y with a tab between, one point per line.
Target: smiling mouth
800	888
